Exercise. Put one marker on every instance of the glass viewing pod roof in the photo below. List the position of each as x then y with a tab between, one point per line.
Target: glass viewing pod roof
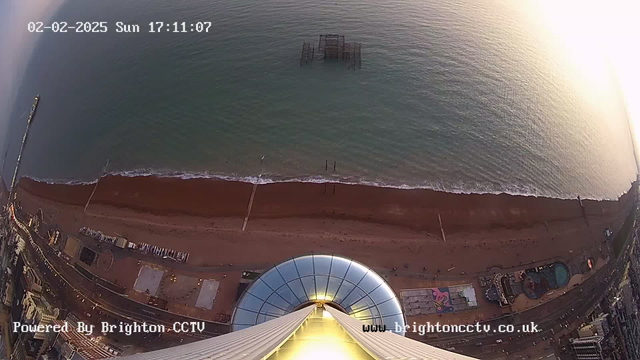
342	283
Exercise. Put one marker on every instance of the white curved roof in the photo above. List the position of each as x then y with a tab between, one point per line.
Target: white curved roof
353	287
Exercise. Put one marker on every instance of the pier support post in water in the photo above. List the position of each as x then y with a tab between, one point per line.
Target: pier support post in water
308	52
441	228
246	219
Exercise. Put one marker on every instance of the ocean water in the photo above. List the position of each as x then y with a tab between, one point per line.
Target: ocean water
457	95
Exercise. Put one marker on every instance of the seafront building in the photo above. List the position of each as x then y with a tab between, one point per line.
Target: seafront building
614	333
73	345
598	326
29	307
588	348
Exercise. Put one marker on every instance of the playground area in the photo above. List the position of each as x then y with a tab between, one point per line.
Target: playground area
539	281
438	300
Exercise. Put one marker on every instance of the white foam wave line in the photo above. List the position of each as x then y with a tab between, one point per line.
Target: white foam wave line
346	181
453	189
61	181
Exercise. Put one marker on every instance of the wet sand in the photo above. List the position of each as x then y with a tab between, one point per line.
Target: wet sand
417	209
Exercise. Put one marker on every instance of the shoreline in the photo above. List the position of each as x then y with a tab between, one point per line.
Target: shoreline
418	209
316	179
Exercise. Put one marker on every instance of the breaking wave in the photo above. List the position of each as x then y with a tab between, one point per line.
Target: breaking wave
454	188
61	181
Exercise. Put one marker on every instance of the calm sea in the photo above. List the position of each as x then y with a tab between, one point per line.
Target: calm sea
460	95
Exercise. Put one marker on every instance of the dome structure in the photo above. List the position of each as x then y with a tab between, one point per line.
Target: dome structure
335	281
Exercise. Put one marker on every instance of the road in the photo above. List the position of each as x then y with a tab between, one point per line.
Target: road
561	314
62	277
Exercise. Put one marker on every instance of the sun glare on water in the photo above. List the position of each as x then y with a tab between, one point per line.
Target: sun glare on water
603	37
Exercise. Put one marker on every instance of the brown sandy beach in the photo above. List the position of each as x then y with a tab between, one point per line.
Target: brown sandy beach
381	227
413	208
384	228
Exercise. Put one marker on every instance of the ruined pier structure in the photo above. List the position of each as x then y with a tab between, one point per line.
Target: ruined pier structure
333	47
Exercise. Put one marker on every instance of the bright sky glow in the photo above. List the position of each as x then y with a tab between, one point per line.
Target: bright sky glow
609	27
